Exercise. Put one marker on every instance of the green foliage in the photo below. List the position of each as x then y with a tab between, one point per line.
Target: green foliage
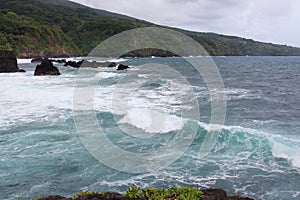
30	37
178	193
83	193
33	27
133	193
174	193
74	27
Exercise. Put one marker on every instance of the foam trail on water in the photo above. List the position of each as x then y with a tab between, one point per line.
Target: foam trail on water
24	61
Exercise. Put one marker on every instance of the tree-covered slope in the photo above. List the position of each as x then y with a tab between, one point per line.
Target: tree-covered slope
80	25
29	37
57	27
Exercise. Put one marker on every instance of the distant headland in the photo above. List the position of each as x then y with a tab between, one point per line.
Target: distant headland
62	28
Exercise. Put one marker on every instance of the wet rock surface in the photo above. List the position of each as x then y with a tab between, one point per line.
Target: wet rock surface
8	62
46	68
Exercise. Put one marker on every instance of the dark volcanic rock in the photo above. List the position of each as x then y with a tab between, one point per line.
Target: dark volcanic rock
37	59
112	195
122	67
89	64
113	64
115	196
214	194
105	196
107	64
8	62
209	194
220	194
55	198
46	68
74	64
62	61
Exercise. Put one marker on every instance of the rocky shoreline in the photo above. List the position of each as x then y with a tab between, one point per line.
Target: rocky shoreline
207	194
47	68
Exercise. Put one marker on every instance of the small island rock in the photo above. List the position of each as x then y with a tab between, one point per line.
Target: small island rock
122	67
74	64
113	64
46	68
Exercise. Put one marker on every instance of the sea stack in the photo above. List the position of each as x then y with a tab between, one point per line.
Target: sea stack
8	62
122	67
46	68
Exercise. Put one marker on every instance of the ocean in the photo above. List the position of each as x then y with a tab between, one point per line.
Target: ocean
46	124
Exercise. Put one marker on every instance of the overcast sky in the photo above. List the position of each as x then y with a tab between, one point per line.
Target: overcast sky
276	21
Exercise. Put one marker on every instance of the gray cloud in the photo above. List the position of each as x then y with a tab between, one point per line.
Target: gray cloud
264	20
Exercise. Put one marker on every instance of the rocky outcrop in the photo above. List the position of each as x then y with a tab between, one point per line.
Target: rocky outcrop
96	196
113	64
46	68
209	194
8	62
74	64
37	59
55	197
122	67
61	61
220	194
93	64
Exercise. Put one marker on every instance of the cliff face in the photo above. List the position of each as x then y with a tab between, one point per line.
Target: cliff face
8	62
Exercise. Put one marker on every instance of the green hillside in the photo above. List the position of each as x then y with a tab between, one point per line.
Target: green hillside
58	27
29	37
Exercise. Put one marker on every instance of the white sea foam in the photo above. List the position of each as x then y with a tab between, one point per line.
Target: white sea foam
24	61
31	97
117	60
282	146
103	60
153	121
105	75
286	148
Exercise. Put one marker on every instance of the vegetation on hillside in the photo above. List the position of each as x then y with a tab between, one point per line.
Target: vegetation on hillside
28	37
58	27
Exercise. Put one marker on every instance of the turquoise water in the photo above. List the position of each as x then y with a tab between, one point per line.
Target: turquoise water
256	155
